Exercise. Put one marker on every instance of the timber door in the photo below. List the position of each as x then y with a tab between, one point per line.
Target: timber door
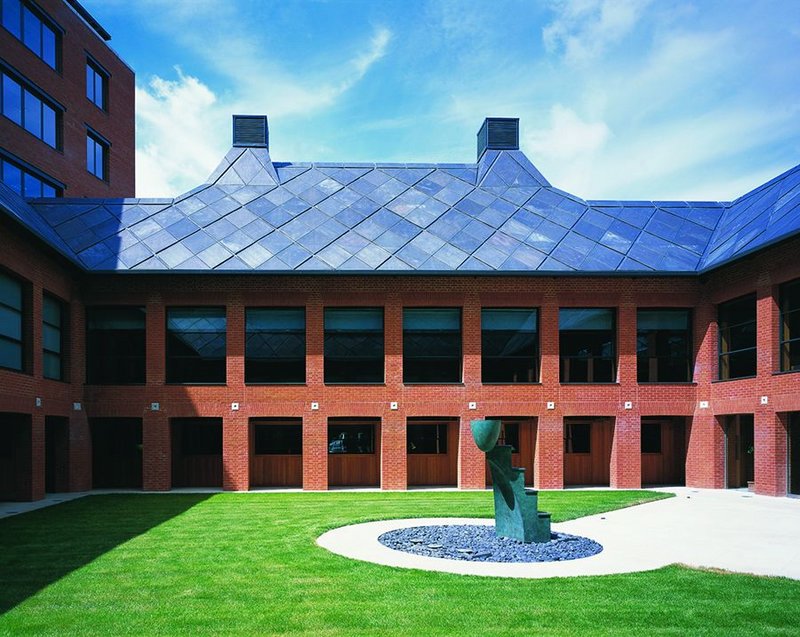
116	453
794	453
520	433
353	459
56	454
587	451
432	448
276	459
740	450
663	451
197	452
15	457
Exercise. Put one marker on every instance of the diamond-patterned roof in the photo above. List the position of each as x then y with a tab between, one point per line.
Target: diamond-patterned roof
499	215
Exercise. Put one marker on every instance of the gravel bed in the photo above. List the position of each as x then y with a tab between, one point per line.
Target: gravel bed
477	543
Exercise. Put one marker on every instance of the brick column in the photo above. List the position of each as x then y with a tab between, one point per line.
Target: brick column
471	342
80	452
235	452
235	344
771	453
156	452
394	467
471	460
548	465
36	485
705	456
393	344
626	457
626	338
315	451
155	347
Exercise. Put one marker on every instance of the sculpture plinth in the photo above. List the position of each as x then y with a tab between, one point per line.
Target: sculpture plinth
516	508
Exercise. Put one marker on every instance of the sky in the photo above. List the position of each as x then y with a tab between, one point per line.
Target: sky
617	99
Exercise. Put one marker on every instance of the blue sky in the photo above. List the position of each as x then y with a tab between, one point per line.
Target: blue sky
618	99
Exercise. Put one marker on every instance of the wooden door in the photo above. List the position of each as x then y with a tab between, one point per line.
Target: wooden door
592	467
666	462
525	445
434	469
116	453
276	453
356	461
197	452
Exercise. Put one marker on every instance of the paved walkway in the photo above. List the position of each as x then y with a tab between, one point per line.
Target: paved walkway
731	530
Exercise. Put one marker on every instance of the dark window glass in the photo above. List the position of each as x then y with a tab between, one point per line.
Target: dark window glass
10	323
354	345
790	326
509	346
196	345
651	437
23	107
587	344
427	438
285	439
96	85
276	345
737	338
351	438
97	157
202	437
33	29
578	438
663	346
115	345
431	345
510	435
25	183
52	338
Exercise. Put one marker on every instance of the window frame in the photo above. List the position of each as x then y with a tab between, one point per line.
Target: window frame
346	423
27	172
168	357
62	328
569	438
250	361
417	359
330	334
295	425
441	428
45	22
534	358
563	371
723	367
21	312
689	335
785	338
98	142
90	353
98	71
26	91
644	439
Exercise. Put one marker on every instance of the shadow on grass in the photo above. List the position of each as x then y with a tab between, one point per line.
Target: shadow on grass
39	548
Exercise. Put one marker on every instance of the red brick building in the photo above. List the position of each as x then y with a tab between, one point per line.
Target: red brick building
323	325
67	104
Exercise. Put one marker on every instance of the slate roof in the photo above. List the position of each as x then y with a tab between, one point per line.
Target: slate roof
499	215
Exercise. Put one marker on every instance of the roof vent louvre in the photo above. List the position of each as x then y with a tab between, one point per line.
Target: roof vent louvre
498	133
251	131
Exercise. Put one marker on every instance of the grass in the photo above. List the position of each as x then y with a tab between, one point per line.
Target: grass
248	564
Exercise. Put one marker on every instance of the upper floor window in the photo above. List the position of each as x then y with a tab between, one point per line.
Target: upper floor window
10	323
26	183
24	107
275	350
115	345
431	345
587	345
663	346
737	338
196	345
509	346
97	156
354	345
53	338
36	32
790	326
96	85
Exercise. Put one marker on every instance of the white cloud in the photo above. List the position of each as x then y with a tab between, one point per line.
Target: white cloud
567	138
583	29
181	135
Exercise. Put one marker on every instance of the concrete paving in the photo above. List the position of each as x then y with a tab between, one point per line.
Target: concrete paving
731	530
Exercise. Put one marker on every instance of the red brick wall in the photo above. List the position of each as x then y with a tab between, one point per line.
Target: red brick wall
68	87
705	466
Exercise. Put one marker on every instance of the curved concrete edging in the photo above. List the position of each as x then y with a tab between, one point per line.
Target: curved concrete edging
728	530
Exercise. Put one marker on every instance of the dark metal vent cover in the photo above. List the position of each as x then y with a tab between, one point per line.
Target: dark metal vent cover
498	133
250	130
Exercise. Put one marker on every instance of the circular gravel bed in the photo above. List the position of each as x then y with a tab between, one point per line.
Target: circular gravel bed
475	543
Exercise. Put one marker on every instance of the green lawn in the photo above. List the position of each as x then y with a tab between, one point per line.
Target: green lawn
248	564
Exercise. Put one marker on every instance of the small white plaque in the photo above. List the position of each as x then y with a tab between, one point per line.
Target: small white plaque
155	406
314	406
551	404
76	406
703	404
38	401
234	406
393	406
628	404
472	405
765	400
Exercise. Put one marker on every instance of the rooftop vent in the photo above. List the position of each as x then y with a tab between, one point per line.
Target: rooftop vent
498	133
250	130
